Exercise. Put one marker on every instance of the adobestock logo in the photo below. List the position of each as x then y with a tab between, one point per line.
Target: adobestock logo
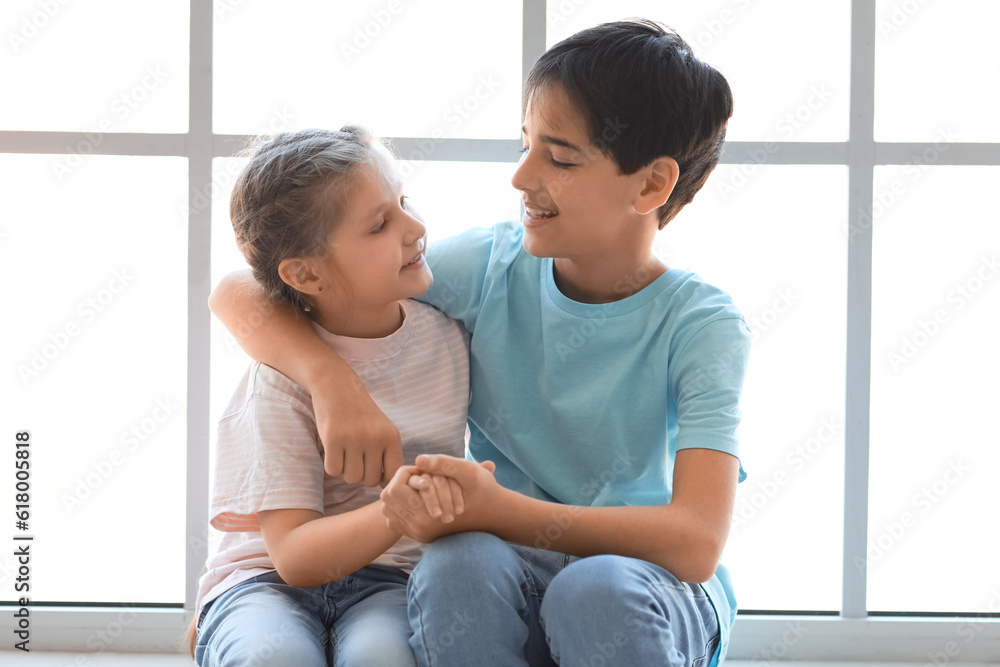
453	118
131	440
899	16
32	25
752	502
925	330
788	125
715	27
914	169
59	340
370	30
923	501
123	106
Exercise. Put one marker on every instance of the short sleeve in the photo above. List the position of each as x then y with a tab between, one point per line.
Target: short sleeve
459	264
267	458
707	376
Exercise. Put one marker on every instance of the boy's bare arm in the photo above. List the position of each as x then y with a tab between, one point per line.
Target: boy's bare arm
685	537
359	441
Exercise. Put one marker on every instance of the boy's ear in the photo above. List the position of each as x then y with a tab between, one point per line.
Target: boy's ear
300	273
657	182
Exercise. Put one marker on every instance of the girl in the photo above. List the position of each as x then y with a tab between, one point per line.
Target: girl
307	572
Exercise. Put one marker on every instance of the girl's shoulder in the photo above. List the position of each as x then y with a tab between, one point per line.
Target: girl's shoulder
262	384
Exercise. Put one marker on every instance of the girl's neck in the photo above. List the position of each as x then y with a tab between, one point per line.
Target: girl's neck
358	322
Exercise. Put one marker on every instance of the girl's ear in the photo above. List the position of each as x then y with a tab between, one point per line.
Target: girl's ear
301	274
657	182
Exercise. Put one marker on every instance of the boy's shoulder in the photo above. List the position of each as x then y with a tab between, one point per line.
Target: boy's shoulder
431	325
696	294
705	321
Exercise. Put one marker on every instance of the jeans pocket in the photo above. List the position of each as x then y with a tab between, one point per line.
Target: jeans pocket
709	653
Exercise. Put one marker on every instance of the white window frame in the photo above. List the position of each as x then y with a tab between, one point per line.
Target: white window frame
853	634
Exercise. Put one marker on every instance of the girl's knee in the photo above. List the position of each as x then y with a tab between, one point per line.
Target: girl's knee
274	648
392	651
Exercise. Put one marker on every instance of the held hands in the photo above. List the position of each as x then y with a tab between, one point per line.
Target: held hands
439	496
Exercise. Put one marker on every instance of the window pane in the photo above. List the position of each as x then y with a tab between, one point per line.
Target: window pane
453	196
778	245
935	361
96	327
788	69
405	69
100	66
936	68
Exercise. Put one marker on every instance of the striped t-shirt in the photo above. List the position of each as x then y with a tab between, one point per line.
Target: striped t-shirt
269	455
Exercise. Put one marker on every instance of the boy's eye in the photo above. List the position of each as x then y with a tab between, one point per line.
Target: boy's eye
555	163
378	228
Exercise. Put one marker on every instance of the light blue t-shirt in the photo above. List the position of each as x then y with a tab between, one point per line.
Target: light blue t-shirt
588	404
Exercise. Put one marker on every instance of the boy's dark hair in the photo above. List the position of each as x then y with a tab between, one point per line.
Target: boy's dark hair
643	95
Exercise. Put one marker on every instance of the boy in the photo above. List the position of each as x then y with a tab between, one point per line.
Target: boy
605	386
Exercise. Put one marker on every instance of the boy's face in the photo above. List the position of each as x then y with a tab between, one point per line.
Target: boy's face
577	204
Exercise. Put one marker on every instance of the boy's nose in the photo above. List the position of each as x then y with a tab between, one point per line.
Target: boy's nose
522	178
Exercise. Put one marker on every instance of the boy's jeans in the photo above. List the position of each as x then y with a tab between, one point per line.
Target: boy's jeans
475	601
356	621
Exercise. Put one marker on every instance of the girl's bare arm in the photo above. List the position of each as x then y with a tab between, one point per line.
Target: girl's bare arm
309	549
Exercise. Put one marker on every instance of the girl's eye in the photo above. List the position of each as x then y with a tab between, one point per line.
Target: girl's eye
402	202
378	229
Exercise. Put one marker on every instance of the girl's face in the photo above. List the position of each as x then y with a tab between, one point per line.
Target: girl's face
376	252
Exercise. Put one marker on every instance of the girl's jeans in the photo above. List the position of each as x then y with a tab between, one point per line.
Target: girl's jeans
357	621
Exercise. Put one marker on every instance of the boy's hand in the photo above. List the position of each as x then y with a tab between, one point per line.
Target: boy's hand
406	512
442	496
359	441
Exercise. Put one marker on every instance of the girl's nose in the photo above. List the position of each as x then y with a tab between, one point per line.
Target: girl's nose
416	229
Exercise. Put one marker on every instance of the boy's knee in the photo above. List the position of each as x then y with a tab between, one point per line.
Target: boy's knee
465	569
460	551
606	582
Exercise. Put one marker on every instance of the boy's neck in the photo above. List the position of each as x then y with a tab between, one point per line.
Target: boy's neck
605	279
362	323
